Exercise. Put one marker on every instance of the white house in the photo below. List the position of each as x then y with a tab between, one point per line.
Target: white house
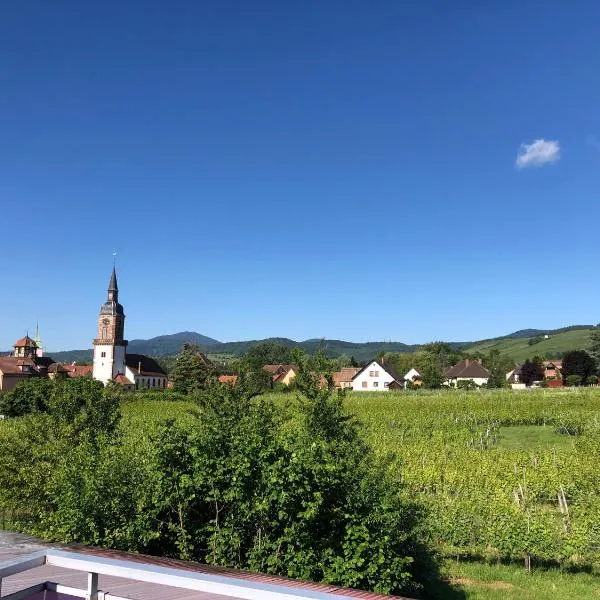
376	377
467	370
144	371
412	375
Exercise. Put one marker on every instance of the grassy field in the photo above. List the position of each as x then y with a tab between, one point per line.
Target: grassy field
487	467
519	349
480	581
533	437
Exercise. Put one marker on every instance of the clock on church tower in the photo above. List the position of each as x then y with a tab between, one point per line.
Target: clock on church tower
109	346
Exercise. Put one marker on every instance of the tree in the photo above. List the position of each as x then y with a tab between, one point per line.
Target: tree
290	493
402	362
531	371
578	362
268	353
343	361
190	372
498	366
441	353
594	349
432	375
29	396
573	380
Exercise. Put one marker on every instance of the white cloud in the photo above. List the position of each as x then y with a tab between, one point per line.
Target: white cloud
538	153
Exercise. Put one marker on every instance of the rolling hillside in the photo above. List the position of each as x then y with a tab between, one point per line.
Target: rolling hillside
516	345
519	348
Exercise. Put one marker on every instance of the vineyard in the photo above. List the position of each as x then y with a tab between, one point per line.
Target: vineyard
489	499
502	475
497	476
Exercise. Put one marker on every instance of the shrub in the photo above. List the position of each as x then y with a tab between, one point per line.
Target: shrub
466	384
573	380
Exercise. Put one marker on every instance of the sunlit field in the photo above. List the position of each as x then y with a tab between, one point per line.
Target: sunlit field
501	474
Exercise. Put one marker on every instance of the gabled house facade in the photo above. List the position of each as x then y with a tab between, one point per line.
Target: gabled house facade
413	377
467	370
552	369
377	376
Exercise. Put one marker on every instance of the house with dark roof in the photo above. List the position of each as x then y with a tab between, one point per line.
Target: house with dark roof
142	371
467	370
377	376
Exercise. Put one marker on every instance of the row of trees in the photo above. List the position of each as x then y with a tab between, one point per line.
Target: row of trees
240	482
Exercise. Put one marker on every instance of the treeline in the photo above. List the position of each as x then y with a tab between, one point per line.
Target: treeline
291	490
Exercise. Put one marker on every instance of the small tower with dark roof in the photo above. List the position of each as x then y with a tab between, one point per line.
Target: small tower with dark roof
110	345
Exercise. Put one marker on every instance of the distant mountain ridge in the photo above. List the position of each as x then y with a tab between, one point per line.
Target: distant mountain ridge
167	345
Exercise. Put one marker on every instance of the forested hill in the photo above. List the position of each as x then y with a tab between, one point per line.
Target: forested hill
519	345
167	345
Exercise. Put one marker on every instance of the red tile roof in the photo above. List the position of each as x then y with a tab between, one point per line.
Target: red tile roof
79	370
229	379
26	341
122	380
12	365
344	375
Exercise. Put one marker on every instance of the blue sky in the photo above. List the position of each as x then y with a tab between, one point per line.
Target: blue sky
314	168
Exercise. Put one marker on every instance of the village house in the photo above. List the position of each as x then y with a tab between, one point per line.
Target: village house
413	377
284	374
343	378
552	369
467	370
377	376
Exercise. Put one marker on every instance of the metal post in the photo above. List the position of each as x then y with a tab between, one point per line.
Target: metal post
92	587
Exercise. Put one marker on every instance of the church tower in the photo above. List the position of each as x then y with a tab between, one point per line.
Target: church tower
109	346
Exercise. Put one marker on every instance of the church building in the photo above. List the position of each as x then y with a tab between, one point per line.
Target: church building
111	361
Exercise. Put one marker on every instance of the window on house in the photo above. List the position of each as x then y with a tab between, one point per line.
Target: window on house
386	384
102	354
376	384
154	383
365	384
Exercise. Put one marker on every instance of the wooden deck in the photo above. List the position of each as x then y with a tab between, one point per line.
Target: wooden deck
15	545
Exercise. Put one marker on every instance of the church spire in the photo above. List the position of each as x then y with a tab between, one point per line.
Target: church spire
113	288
